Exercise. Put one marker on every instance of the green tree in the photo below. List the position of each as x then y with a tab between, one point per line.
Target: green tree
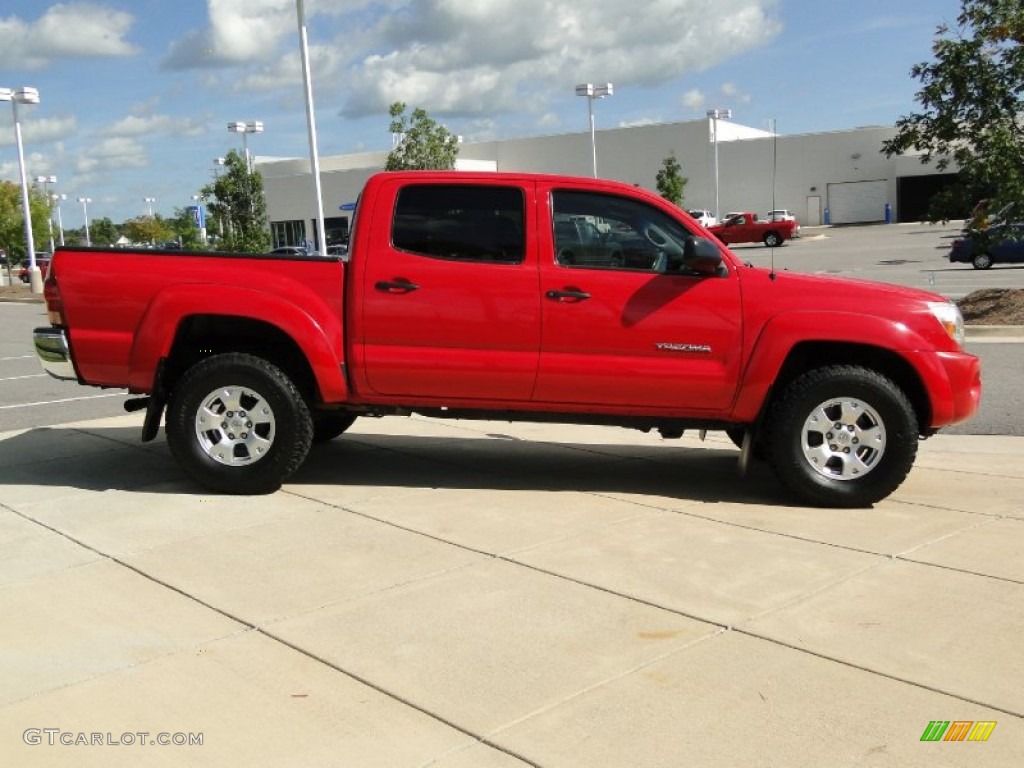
12	221
184	230
422	143
146	229
971	107
236	198
102	232
670	181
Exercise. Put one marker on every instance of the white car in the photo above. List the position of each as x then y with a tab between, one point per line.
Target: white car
783	214
704	216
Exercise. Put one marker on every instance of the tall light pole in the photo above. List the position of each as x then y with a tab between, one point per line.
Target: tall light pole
314	161
715	115
149	201
253	126
592	92
85	214
46	181
57	198
16	96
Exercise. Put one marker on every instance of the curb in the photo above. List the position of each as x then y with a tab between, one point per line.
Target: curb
1014	333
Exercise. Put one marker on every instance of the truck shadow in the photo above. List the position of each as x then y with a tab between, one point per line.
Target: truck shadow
497	462
44	463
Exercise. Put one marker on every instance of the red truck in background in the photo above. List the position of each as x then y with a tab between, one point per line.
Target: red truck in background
747	228
457	300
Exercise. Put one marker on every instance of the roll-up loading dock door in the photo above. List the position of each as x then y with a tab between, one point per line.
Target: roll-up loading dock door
857	202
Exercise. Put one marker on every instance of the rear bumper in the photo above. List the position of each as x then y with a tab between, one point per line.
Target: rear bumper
54	354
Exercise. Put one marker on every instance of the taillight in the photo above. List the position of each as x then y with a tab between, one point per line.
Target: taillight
54	304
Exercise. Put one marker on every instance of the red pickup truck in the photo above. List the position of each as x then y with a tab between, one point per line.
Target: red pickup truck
455	300
747	228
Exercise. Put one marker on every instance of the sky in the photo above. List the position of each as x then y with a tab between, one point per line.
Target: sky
136	95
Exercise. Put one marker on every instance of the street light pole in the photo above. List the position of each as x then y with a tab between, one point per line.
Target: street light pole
149	201
592	92
45	181
716	115
57	198
314	160
253	126
26	95
85	214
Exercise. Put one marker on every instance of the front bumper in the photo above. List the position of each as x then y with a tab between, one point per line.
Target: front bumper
54	353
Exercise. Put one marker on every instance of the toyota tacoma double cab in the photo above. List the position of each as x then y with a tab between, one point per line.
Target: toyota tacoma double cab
455	300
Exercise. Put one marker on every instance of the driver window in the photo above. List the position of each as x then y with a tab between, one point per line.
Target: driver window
601	231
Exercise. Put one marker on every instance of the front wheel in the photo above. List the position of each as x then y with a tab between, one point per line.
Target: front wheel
842	436
237	424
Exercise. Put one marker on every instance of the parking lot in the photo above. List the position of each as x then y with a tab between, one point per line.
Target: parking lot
471	594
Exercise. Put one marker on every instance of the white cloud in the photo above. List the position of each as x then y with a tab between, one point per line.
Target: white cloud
461	58
113	154
489	56
693	99
240	32
732	93
148	125
65	30
42	130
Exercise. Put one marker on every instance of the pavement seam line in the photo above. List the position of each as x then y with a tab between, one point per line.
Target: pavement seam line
882	560
879	673
481	738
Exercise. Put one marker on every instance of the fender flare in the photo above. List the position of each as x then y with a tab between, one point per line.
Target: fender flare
314	327
782	333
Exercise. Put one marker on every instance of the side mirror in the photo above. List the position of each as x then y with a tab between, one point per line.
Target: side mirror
702	256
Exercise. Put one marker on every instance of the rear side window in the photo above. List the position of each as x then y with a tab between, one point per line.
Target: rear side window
461	223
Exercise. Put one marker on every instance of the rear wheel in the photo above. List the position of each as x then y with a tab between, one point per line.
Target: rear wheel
842	436
772	239
237	424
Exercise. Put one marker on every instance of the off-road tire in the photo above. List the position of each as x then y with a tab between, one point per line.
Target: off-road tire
279	414
877	422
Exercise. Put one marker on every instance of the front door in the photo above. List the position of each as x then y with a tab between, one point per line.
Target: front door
627	331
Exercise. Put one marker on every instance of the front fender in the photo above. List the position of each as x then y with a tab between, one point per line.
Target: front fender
782	333
314	328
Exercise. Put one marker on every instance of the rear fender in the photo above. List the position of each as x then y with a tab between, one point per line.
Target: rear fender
314	327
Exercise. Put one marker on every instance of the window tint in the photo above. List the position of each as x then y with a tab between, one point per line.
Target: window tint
465	223
594	230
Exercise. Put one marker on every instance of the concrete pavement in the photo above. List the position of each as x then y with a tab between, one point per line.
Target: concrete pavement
473	594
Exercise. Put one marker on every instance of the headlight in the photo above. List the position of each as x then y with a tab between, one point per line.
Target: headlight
949	316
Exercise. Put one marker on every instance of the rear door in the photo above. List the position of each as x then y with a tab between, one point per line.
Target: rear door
622	334
449	292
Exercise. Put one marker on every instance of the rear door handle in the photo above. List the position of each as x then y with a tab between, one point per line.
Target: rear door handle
398	285
567	296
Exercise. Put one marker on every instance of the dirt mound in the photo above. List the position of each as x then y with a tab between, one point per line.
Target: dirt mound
993	306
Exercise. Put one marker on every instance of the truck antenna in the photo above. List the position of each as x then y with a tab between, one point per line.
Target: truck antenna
775	165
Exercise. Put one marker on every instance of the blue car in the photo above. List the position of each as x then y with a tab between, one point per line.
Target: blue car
999	244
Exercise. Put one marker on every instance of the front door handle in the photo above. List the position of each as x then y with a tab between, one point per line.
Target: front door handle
398	285
567	296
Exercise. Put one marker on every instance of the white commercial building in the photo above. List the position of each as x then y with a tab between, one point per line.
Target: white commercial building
839	177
